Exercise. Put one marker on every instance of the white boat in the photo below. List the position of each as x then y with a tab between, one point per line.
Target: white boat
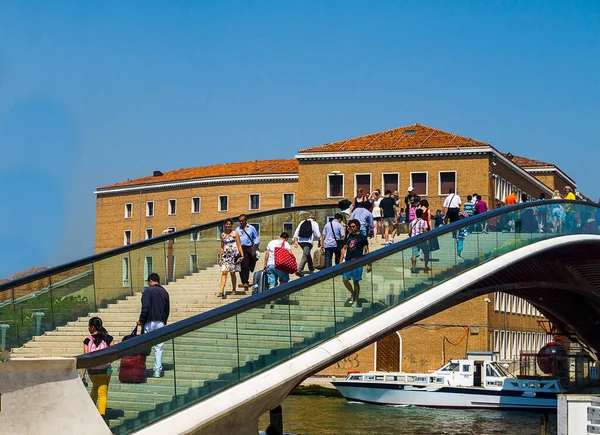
463	383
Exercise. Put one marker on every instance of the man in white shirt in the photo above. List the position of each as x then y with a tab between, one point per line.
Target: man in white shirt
304	236
452	206
333	240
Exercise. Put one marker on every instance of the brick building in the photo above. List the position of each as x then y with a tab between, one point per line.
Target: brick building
430	160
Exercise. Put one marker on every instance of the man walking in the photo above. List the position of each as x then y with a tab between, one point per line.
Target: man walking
333	240
389	210
356	246
415	228
154	315
410	200
249	240
452	206
305	234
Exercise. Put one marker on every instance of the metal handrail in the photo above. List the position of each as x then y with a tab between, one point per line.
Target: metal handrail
138	344
143	243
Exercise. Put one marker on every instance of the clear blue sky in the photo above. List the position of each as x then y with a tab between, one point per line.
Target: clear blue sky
93	93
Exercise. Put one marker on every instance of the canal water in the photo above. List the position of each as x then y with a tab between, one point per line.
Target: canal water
315	415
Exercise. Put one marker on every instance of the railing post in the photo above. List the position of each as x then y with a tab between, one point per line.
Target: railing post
3	328
276	421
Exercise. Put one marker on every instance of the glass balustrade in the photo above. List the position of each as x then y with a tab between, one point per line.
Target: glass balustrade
277	328
41	305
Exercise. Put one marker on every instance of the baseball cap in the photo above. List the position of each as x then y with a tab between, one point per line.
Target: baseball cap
410	188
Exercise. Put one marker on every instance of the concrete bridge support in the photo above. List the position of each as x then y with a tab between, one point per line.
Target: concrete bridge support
45	396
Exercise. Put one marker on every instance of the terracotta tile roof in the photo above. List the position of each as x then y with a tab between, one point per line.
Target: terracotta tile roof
25	273
257	167
414	136
524	162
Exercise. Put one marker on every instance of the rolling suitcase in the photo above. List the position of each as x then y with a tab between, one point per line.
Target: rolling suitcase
260	283
133	369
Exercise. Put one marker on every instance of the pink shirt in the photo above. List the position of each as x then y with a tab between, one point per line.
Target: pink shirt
481	207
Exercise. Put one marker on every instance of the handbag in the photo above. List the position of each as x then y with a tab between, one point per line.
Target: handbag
434	244
134	333
254	248
285	260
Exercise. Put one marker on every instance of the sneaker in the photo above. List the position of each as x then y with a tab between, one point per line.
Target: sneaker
157	374
354	304
299	274
458	257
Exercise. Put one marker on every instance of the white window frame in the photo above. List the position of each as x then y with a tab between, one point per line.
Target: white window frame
397	174
148	270
148	209
329	186
219	202
497	301
440	193
125	271
125	237
174	211
370	174
293	199
199	204
250	195
130	204
151	233
426	181
497	187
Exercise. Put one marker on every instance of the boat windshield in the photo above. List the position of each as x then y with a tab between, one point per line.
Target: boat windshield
450	367
501	370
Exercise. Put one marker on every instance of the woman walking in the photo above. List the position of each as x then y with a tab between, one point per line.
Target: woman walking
99	375
230	256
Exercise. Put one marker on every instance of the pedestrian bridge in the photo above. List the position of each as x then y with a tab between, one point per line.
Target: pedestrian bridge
227	366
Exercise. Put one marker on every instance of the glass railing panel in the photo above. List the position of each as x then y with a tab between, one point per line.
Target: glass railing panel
113	279
207	246
32	309
73	294
181	256
387	276
147	260
313	311
264	338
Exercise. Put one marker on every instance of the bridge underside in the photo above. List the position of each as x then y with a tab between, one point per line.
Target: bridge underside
563	283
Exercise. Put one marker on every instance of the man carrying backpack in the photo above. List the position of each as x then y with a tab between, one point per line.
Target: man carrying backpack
154	315
305	234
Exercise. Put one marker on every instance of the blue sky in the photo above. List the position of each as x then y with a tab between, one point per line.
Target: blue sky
93	93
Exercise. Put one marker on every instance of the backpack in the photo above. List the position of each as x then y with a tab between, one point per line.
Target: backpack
412	214
306	229
93	347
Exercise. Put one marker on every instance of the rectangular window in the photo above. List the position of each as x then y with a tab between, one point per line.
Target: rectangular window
288	200
127	237
254	202
223	203
288	227
335	186
447	182
496	341
147	269
418	180
497	187
390	182
172	206
196	205
128	210
149	233
362	181
503	190
125	271
149	208
257	228
497	301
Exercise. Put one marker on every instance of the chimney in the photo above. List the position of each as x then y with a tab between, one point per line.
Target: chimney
157	174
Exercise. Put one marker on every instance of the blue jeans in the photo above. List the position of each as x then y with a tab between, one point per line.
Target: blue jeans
273	275
158	348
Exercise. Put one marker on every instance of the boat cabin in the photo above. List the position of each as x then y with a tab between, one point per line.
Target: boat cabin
474	373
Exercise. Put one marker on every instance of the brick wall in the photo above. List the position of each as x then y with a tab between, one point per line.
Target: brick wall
110	209
472	175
